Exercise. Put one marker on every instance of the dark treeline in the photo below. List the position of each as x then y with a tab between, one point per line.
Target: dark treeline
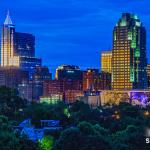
104	128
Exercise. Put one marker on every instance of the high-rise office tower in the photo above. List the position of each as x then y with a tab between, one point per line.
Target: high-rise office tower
18	49
7	44
106	61
129	60
24	44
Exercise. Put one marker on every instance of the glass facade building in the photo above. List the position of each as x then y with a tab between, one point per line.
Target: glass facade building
29	64
129	60
24	44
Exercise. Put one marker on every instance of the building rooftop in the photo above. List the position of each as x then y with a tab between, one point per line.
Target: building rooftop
8	20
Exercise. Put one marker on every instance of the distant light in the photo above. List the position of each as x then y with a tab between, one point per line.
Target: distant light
146	113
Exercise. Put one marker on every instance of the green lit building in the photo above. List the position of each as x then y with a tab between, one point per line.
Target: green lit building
129	60
53	99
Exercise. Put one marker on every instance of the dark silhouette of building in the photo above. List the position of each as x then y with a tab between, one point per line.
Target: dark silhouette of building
68	72
24	44
12	77
40	75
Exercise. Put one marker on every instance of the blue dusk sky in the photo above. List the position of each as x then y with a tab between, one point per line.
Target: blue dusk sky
72	31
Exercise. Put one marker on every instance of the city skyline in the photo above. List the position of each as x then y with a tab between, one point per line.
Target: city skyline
74	75
61	38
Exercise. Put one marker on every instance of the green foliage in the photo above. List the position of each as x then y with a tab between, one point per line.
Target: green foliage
69	139
44	111
8	141
131	138
10	103
46	143
101	130
84	136
5	125
26	144
7	138
84	128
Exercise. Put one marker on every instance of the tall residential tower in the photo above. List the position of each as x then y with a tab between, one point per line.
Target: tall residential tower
129	60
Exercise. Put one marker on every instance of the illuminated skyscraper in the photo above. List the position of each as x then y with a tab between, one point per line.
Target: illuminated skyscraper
7	44
129	60
106	61
18	49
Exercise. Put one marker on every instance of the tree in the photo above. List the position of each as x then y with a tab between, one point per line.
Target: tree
46	143
131	138
86	128
45	111
102	131
8	140
5	125
69	139
10	102
84	137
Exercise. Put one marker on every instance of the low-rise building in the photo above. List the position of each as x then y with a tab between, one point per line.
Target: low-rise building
72	96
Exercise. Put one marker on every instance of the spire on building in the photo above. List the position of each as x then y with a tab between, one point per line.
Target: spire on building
8	20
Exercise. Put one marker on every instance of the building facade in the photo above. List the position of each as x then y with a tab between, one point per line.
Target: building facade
24	44
60	86
29	64
40	75
12	77
90	77
68	72
8	57
104	81
72	96
129	60
106	61
25	90
53	87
